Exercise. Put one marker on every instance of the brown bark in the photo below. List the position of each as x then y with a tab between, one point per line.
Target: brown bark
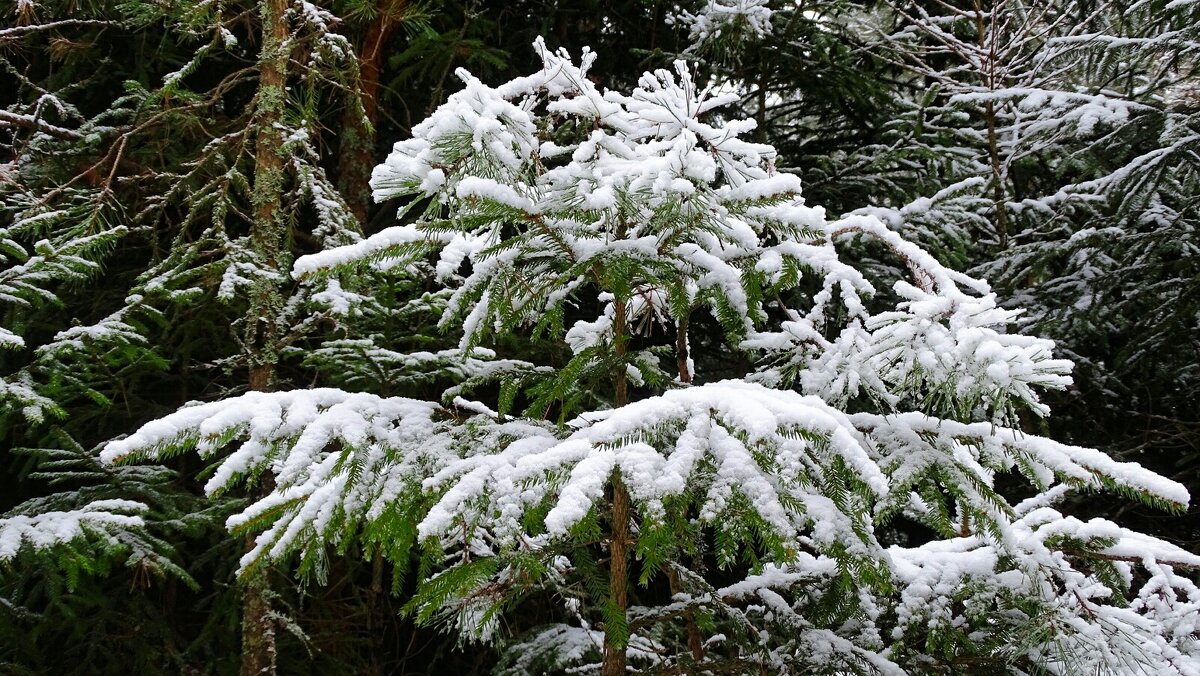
998	201
694	640
267	235
262	332
618	573
999	205
620	341
356	150
260	377
375	615
258	627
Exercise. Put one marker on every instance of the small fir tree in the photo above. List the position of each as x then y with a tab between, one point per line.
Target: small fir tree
680	524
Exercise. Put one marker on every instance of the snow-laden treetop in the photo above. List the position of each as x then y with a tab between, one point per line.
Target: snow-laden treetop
547	185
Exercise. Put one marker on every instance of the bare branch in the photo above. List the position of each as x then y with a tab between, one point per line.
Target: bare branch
21	31
30	122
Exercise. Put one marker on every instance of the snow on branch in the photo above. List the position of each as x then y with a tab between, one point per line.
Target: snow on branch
725	18
102	518
918	451
34	123
336	458
533	199
1071	569
734	446
695	212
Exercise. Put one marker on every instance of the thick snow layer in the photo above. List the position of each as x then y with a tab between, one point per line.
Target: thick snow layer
329	451
717	440
1035	564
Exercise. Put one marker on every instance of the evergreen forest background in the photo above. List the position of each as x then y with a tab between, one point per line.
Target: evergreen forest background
1054	151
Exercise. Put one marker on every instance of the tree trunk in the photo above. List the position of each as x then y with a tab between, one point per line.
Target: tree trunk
999	203
618	572
694	640
258	627
267	236
375	614
681	350
618	576
356	149
266	298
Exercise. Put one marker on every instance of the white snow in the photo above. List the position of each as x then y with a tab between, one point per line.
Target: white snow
48	529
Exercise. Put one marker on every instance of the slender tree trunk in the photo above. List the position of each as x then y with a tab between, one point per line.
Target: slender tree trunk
999	203
695	641
258	627
620	346
356	150
618	576
375	615
266	298
618	549
267	237
681	350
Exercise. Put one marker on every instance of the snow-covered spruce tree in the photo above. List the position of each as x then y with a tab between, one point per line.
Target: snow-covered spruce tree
99	515
979	62
1006	93
197	179
845	116
88	519
687	526
46	369
1110	267
1076	123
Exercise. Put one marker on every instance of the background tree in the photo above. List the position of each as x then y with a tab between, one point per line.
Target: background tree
1064	116
189	184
